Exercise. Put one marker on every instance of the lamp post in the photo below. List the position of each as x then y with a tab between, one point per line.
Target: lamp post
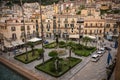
42	34
80	22
117	68
23	24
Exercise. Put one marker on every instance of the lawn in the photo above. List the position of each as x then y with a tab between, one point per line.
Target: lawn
50	45
84	52
22	57
64	66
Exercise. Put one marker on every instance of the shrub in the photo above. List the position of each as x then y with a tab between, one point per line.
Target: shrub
62	44
53	54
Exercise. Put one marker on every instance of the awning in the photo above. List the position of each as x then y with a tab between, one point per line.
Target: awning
34	40
92	37
20	42
15	43
74	36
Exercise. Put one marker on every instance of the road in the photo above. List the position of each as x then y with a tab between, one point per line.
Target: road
95	70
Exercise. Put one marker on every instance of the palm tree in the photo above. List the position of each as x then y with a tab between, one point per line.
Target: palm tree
32	47
55	57
70	44
86	40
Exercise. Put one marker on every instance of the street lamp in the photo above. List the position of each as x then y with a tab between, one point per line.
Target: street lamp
118	24
23	25
80	21
42	35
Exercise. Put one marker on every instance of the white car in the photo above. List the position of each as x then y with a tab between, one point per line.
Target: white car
95	57
100	53
102	50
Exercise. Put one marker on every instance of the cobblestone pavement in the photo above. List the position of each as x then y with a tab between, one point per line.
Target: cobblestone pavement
86	70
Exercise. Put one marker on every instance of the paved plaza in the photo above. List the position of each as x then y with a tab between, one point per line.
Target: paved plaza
86	70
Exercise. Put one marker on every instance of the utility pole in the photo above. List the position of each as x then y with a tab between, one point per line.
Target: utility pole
25	40
42	35
23	24
67	8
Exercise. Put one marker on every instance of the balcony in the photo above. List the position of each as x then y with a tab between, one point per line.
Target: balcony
65	21
93	26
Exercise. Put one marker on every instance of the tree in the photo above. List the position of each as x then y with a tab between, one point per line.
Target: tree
70	44
86	40
41	52
32	47
53	54
9	4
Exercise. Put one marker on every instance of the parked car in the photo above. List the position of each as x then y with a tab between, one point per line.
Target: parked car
95	57
46	42
100	53
107	48
102	50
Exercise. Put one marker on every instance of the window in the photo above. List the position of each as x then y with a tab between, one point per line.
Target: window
85	31
90	31
66	25
48	29
48	25
96	24
86	24
16	21
13	28
36	21
22	21
59	25
72	31
115	31
91	24
72	25
22	35
114	25
31	20
107	25
110	30
33	27
100	31
28	27
14	36
22	28
66	21
100	24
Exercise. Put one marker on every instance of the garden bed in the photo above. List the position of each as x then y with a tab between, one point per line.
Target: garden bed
50	45
84	52
64	66
22	57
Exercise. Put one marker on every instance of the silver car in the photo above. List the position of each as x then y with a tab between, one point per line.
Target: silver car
95	58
